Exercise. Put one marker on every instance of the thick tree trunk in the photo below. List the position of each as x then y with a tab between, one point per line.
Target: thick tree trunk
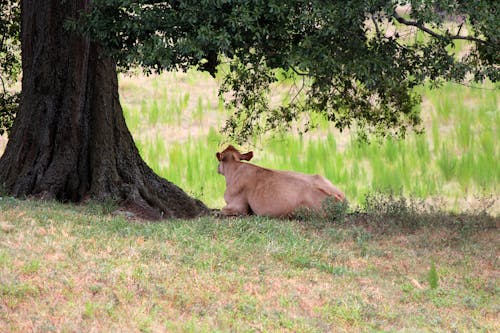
70	141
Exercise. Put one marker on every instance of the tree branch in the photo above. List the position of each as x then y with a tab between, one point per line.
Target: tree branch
422	27
377	30
298	72
3	85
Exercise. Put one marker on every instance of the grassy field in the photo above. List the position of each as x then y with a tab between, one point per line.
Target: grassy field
175	119
66	268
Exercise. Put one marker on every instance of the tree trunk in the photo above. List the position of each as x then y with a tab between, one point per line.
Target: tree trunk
69	140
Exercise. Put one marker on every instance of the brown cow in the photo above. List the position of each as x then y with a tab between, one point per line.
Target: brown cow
250	188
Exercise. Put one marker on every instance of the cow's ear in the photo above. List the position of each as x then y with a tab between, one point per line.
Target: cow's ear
247	157
218	155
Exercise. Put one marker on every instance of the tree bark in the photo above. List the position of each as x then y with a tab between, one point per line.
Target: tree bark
69	140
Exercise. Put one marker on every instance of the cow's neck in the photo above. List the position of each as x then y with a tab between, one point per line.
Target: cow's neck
231	172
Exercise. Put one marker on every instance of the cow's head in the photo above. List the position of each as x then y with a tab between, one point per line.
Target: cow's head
231	154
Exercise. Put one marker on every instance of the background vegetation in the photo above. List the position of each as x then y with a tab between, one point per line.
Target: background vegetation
174	119
10	63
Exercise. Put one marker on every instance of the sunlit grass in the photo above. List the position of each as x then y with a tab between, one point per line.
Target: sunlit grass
455	158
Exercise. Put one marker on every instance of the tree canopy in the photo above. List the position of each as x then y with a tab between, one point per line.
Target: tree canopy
355	62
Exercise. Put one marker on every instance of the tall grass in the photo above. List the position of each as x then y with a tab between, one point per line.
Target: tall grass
190	164
456	157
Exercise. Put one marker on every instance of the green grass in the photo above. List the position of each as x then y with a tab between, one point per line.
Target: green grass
71	268
456	158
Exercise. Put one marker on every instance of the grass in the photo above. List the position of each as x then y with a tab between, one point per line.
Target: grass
72	268
455	159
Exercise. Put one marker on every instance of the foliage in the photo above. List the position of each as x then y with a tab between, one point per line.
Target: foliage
9	103
9	40
9	61
354	62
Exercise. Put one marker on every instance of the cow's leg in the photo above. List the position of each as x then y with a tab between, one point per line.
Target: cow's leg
235	209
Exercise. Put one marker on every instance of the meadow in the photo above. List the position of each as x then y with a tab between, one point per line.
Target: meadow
175	119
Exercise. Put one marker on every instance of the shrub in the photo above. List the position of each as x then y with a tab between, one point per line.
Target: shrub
332	212
386	210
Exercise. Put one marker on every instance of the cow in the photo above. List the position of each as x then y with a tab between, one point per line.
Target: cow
266	192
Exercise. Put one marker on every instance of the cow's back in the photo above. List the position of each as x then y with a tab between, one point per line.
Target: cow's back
326	186
280	193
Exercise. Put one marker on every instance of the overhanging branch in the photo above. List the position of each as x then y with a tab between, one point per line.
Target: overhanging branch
377	29
296	71
422	27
